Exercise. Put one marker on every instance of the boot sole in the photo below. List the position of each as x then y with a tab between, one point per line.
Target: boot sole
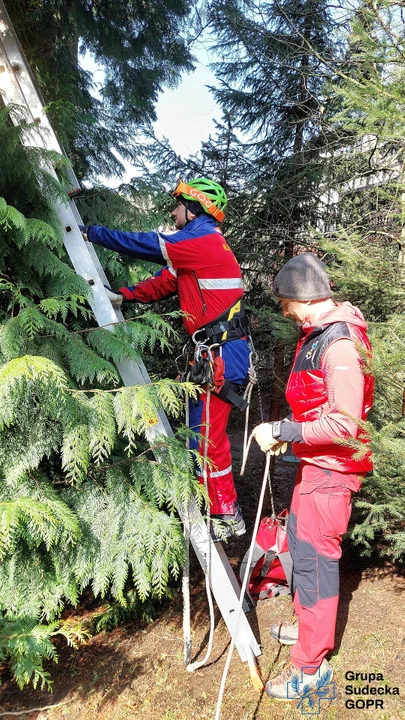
284	642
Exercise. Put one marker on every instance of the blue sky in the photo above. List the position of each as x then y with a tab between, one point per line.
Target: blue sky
185	115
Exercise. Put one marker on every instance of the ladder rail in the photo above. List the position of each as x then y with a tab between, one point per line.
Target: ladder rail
17	87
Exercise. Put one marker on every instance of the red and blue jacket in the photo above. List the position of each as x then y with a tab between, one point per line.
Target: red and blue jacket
198	265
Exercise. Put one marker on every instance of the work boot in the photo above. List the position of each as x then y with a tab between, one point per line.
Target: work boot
294	684
229	525
286	633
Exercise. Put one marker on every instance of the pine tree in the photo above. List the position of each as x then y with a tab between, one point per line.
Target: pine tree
83	504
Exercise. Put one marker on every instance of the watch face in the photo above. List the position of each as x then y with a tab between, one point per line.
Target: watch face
277	429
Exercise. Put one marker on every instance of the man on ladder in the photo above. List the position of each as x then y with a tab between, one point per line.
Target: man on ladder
199	266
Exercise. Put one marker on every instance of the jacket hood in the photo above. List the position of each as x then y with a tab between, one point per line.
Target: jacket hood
342	312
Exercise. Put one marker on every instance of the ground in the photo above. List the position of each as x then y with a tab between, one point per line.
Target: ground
137	671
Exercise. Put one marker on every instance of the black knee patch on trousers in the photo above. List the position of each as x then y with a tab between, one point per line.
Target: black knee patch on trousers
315	576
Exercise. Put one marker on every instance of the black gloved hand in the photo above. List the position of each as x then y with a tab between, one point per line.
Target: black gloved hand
290	431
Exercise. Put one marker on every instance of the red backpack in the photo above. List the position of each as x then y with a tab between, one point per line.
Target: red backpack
271	567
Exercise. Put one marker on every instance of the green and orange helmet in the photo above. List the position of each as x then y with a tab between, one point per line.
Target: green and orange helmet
209	194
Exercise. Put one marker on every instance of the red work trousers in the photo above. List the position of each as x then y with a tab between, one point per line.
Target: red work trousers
320	513
221	486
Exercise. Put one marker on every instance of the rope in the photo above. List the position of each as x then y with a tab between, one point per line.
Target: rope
253	382
185	582
35	709
246	396
185	586
266	476
242	472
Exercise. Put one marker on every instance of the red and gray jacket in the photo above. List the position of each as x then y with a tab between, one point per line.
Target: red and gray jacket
326	382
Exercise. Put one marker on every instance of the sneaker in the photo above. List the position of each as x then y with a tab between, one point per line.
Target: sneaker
286	633
226	526
294	684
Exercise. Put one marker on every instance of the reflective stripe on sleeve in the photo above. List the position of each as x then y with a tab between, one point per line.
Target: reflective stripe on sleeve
172	271
221	284
219	473
163	250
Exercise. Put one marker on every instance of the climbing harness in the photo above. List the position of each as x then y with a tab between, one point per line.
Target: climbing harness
230	325
270	571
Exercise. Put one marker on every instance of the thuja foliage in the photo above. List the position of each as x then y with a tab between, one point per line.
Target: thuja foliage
83	502
364	241
141	205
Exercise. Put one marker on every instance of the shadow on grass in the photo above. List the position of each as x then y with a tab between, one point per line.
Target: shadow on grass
81	675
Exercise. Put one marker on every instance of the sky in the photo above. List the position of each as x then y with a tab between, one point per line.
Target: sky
185	130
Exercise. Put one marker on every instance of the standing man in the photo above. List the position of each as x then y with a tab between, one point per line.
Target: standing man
327	389
200	266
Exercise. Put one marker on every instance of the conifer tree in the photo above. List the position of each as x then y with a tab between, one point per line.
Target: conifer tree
271	83
139	48
363	238
83	504
266	150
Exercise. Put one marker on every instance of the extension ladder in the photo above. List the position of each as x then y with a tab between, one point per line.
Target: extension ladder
17	87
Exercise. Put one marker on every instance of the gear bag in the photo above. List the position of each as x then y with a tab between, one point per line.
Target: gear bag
271	567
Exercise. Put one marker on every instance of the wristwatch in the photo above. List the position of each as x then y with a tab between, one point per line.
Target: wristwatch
276	429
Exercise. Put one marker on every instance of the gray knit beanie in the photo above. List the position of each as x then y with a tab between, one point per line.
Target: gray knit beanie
304	277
